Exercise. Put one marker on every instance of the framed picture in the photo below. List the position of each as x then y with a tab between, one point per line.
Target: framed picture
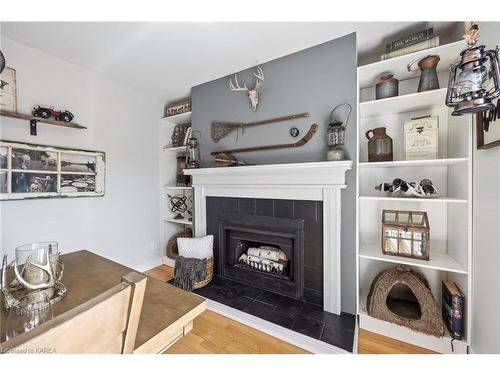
36	171
8	98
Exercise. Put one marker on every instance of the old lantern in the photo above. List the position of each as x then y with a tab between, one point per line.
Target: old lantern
336	135
475	79
193	151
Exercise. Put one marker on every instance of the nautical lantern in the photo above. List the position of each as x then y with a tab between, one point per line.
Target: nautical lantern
475	79
336	135
193	151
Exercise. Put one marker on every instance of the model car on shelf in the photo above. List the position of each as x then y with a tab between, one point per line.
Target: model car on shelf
46	113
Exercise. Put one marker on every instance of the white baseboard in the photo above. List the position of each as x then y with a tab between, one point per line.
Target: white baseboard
148	265
292	337
168	261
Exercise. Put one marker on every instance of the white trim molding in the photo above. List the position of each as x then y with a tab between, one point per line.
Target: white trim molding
302	341
318	181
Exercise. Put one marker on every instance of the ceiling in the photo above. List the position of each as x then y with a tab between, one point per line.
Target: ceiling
166	59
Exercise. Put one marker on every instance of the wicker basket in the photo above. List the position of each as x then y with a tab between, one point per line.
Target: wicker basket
208	278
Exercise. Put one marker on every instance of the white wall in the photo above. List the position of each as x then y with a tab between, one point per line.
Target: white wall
486	280
122	225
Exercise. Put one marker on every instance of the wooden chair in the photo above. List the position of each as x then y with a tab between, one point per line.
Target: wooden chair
105	324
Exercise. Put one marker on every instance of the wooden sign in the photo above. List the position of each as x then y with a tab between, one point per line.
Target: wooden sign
8	98
177	109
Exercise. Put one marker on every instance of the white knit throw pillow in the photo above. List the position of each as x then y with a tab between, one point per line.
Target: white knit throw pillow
200	248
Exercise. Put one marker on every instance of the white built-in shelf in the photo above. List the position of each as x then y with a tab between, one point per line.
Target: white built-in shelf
438	261
178	119
369	75
177	187
404	103
439	344
412	199
178	221
175	149
413	163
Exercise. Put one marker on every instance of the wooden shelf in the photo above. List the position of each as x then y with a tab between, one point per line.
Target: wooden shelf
369	75
412	199
404	103
178	221
413	163
438	261
41	120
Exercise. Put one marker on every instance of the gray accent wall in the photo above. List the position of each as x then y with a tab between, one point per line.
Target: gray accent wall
313	80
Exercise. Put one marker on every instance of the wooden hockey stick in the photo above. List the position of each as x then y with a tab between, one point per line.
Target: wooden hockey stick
306	138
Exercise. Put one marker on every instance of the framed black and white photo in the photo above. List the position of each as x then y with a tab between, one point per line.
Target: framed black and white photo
36	171
28	159
4	157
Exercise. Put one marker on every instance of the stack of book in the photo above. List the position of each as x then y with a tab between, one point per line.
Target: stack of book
411	43
453	309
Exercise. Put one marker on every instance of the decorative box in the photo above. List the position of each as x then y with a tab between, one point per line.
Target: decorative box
177	109
406	234
421	138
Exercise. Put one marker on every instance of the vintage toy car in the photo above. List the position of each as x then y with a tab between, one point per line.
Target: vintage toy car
43	112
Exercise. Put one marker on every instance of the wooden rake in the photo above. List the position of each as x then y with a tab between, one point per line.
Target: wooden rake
220	130
306	138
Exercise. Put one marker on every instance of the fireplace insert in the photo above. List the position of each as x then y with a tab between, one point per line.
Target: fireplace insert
261	251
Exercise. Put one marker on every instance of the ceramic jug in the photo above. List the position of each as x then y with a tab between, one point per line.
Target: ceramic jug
379	145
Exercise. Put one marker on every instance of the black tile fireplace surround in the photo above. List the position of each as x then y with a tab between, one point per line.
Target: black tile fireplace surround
296	227
294	299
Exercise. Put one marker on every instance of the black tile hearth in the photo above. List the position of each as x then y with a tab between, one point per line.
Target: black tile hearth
290	305
282	318
308	326
269	297
259	309
338	337
305	318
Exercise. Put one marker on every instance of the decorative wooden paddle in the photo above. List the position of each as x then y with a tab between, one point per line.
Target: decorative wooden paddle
306	138
220	129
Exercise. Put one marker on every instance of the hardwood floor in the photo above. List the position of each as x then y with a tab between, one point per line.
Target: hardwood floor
372	343
213	333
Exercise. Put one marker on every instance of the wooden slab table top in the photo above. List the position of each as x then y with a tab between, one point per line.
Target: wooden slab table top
167	312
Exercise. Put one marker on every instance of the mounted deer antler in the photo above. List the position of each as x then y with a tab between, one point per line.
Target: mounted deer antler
253	94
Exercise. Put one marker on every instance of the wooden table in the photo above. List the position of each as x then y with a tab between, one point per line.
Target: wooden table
167	312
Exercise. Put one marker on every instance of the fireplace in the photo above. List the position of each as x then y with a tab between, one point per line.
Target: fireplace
309	191
262	251
292	227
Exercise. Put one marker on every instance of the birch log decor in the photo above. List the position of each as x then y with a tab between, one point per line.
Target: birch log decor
265	258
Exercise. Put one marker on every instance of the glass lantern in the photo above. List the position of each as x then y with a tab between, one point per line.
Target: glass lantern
193	157
336	136
473	85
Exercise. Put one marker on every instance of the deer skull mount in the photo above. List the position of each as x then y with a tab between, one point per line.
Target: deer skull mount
253	94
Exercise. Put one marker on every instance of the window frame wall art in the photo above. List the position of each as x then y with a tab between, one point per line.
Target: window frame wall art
29	171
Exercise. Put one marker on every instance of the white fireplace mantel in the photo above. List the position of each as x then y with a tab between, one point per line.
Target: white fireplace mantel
318	181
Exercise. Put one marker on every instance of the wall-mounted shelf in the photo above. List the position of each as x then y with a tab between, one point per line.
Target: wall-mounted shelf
182	188
174	149
438	261
179	118
413	163
35	120
179	221
369	75
403	103
411	199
